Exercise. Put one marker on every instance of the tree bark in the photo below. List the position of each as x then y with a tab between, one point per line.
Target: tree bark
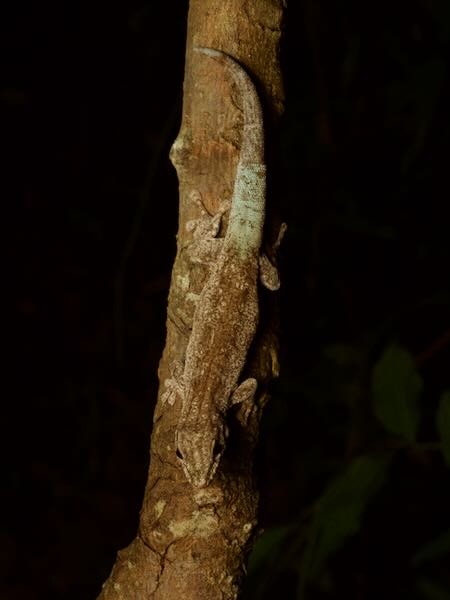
193	542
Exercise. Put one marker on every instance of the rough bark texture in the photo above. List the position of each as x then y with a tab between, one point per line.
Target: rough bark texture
192	543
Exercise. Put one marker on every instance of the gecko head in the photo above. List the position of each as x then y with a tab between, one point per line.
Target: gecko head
199	452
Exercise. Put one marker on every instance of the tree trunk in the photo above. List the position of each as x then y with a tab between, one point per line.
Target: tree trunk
193	541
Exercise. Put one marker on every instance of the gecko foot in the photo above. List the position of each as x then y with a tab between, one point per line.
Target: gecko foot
173	386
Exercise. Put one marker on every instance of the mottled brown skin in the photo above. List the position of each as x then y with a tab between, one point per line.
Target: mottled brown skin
215	356
226	315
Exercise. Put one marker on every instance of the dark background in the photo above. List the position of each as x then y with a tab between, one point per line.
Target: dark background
91	99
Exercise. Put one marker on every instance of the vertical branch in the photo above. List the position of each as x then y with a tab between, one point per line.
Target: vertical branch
193	541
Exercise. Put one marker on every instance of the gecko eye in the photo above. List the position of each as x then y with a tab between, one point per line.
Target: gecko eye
178	453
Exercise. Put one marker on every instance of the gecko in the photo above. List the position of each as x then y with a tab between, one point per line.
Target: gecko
226	316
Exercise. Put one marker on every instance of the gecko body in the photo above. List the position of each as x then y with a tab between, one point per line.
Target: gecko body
226	316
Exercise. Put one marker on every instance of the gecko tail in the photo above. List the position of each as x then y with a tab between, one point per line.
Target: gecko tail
252	148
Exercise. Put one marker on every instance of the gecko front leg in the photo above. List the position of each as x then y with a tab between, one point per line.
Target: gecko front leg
200	442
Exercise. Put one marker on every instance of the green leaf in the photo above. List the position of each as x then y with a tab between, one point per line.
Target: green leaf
396	388
267	547
339	511
443	424
438	547
431	590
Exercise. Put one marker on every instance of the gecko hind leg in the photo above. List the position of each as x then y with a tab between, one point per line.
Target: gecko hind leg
268	272
205	245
